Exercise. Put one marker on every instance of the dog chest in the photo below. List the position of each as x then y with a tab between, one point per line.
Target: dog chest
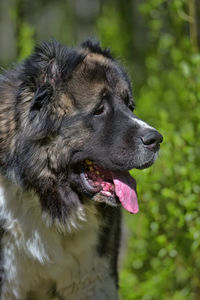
37	255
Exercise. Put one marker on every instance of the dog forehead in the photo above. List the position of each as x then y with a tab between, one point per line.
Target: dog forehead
96	57
103	66
96	74
112	73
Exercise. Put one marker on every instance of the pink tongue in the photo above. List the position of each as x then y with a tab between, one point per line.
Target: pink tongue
125	189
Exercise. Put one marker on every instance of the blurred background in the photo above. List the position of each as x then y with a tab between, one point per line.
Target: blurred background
158	41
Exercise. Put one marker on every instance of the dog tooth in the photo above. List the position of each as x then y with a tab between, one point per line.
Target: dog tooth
106	193
88	162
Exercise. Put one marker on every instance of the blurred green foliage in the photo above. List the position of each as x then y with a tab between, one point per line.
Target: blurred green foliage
163	258
23	30
26	34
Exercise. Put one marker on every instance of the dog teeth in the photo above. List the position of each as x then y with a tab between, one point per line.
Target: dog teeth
93	168
106	193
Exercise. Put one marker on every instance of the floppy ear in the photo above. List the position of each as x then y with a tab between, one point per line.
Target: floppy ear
48	68
93	46
51	62
42	97
52	74
42	123
43	66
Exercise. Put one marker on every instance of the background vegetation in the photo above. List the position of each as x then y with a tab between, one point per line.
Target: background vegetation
158	40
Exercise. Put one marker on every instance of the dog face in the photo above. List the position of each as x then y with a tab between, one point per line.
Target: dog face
76	134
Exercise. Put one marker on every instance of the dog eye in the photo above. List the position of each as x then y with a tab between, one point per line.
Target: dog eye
100	110
131	106
129	103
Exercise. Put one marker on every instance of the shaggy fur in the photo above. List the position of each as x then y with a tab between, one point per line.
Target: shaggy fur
60	107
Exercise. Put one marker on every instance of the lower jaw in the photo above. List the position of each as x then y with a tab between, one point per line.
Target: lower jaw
100	198
97	194
146	165
112	201
86	185
97	189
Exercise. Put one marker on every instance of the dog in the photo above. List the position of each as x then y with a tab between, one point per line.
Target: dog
68	137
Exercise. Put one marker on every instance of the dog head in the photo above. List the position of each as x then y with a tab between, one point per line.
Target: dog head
76	134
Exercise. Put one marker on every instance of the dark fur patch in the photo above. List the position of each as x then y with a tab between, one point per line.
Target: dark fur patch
2	232
94	47
110	236
51	62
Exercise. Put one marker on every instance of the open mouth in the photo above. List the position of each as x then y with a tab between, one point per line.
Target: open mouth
113	185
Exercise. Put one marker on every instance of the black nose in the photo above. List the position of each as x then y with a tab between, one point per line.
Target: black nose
151	139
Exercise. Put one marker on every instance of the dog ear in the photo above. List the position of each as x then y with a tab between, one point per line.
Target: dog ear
42	97
43	67
93	46
52	63
52	74
47	69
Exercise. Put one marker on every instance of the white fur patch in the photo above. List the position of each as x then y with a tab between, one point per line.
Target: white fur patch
38	252
141	123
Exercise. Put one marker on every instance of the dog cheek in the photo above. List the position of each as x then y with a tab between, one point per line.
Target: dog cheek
58	156
42	173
